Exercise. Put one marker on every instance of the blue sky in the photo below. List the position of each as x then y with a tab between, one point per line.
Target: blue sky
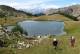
27	4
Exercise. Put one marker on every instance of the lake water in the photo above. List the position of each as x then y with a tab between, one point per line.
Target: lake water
35	28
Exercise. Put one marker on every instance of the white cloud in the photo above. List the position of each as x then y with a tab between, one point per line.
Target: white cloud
18	5
31	4
49	6
7	1
27	4
70	4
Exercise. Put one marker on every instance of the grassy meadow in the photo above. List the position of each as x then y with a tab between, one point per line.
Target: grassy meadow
53	17
12	20
45	47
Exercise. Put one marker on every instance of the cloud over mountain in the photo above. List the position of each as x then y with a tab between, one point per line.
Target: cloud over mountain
28	4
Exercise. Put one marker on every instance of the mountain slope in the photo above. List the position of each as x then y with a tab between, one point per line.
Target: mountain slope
6	11
73	11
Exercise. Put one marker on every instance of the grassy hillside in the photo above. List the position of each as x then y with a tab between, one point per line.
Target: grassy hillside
12	20
53	17
72	27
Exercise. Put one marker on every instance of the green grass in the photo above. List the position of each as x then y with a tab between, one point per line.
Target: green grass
72	27
52	17
13	20
47	48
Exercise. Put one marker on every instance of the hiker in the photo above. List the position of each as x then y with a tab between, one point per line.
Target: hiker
72	41
55	43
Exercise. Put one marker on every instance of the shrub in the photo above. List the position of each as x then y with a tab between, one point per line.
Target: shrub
17	28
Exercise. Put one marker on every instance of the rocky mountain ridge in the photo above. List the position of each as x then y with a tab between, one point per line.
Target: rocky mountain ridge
73	10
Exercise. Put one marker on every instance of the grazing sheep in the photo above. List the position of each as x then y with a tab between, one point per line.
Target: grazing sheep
20	45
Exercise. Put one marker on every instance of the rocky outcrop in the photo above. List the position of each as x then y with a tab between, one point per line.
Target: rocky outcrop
73	10
17	40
